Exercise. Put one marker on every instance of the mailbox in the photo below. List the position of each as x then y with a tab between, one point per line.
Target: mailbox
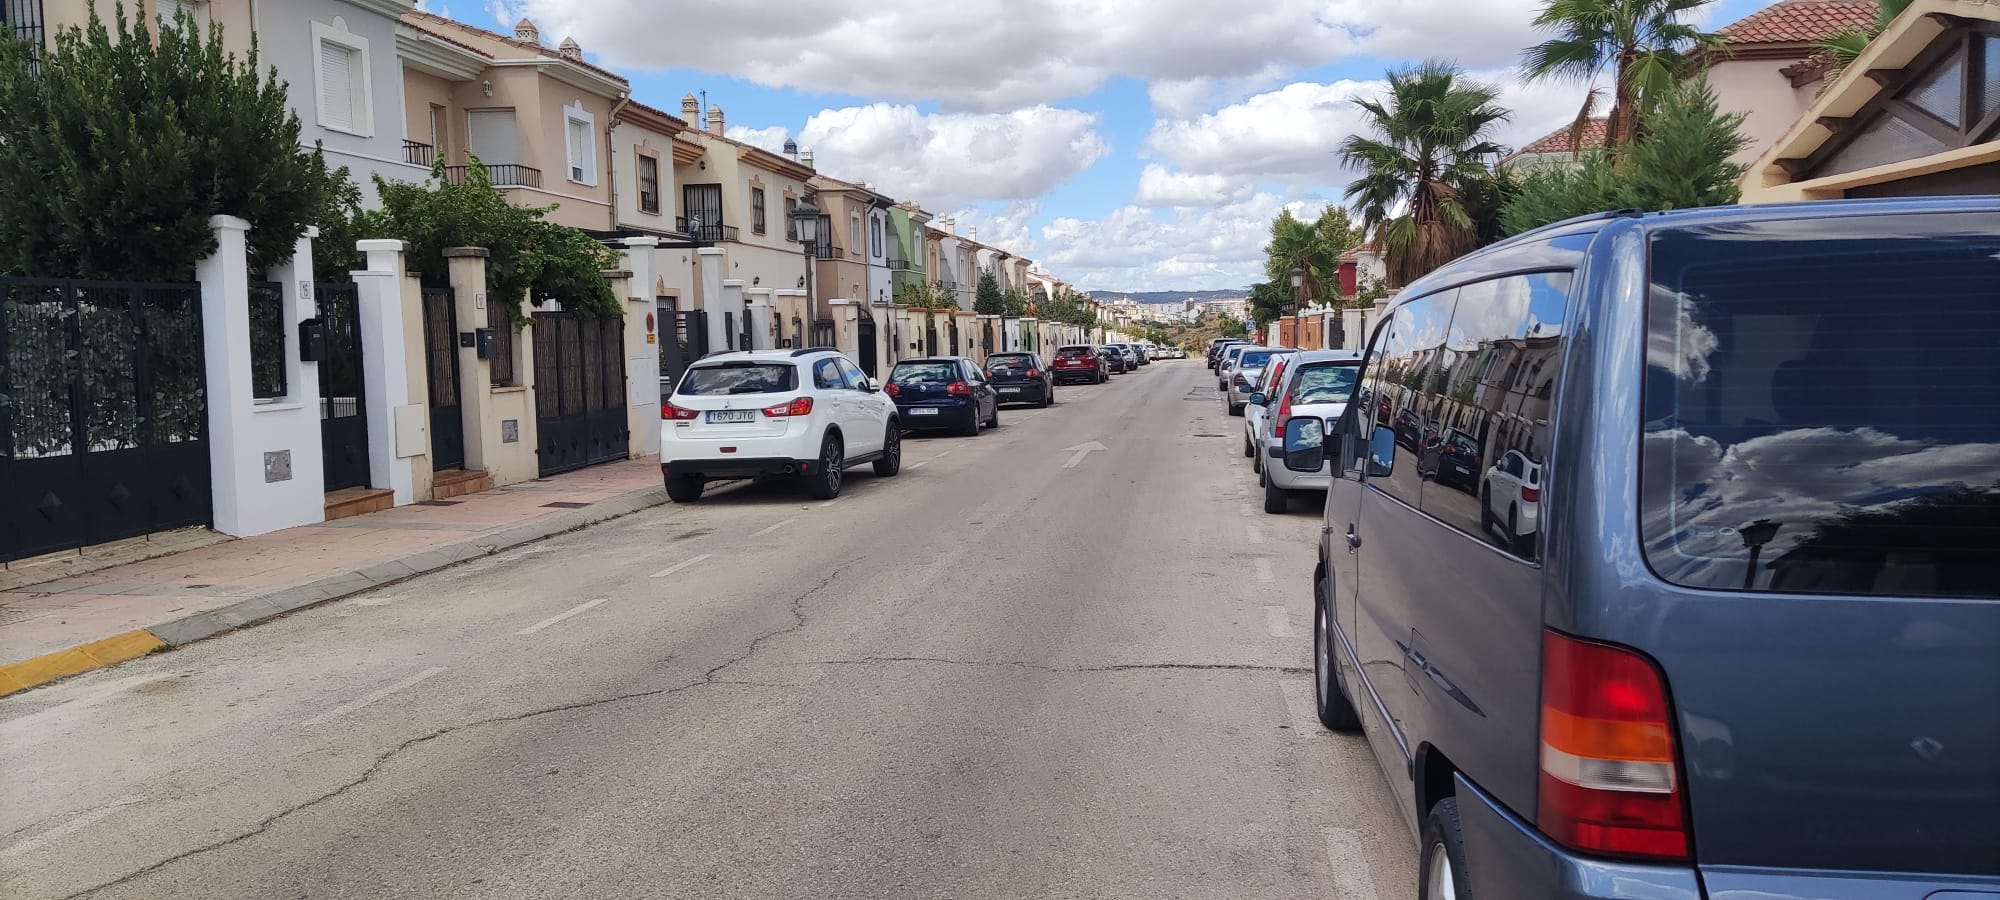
484	341
312	340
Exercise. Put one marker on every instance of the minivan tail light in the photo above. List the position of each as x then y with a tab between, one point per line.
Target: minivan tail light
1609	780
802	406
676	414
959	389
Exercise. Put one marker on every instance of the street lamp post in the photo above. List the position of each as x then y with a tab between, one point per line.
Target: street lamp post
805	220
1298	282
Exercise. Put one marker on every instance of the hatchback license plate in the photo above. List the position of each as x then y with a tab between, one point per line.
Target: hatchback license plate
1010	390
732	415
923	411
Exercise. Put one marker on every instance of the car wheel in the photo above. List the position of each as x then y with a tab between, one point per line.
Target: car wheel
1335	712
1442	862
1513	521
1277	501
1485	507
1048	397
1235	409
995	421
684	488
824	484
971	429
892	453
1248	453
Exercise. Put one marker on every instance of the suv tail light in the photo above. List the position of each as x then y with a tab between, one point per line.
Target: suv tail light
1531	494
674	413
802	406
959	389
1609	782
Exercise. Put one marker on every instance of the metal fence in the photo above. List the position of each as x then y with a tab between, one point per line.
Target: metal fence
267	340
502	175
24	18
501	366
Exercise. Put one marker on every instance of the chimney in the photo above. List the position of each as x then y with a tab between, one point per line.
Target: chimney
714	119
792	149
525	30
806	158
691	110
951	226
570	49
972	234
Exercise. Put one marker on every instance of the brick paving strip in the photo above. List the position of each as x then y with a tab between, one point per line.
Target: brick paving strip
85	621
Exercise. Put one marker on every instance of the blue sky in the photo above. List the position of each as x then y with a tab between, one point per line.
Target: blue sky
1125	145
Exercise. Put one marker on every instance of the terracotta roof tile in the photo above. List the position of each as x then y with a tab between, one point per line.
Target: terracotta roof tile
1798	22
1558	141
421	18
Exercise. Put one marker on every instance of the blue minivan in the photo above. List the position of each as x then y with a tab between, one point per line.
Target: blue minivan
1717	613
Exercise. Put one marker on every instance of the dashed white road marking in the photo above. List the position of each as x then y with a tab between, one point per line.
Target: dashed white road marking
1344	854
1279	621
679	566
1299	699
396	688
772	527
82	821
576	610
1253	534
1263	567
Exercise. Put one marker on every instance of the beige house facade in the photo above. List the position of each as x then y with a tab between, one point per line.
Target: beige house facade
1769	68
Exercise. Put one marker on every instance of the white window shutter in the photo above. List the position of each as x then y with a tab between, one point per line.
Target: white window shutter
336	85
579	150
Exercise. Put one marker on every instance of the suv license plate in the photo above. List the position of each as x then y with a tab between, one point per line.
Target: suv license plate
732	415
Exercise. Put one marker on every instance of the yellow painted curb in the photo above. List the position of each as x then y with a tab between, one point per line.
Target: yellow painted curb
46	668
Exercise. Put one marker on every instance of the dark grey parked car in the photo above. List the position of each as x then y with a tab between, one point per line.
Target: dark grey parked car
1750	645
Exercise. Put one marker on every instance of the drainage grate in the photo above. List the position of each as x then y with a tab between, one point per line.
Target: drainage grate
439	502
10	616
564	504
1208	435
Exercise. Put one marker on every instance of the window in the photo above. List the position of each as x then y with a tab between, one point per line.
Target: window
757	210
739	378
854	232
494	136
581	130
649	185
826	375
341	66
791	227
702	206
170	12
875	237
1403	372
852	372
1822	407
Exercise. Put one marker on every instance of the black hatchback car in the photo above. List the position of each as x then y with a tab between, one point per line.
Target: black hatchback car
1021	378
1114	361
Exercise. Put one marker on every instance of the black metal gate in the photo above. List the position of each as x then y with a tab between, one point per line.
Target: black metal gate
822	335
952	325
103	413
343	423
441	366
579	391
729	334
687	341
749	339
930	338
865	331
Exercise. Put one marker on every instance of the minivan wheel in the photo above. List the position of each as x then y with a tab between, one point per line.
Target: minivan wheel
1443	859
892	453
824	484
1330	701
684	488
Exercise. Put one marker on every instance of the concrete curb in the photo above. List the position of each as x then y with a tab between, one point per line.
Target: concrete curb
185	630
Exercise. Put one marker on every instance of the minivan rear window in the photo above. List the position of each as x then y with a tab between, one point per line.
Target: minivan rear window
739	378
1822	406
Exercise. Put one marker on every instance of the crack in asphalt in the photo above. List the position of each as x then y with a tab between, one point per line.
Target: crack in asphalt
382	760
1017	664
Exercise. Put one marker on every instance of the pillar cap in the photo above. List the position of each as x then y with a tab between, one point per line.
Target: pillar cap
642	242
228	223
467	253
708	251
378	245
732	282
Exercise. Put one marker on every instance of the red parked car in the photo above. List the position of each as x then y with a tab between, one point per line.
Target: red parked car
1079	363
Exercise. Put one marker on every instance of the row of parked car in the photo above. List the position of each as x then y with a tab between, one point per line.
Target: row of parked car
812	415
1657	560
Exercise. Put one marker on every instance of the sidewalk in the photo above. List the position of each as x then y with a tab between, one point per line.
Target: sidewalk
58	628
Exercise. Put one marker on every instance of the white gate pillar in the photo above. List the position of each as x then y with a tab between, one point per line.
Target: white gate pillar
393	457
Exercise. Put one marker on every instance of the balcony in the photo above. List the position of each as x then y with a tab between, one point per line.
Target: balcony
898	264
825	251
504	175
419	154
707	234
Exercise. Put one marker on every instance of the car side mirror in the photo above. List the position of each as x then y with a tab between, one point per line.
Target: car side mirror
1305	444
1381	452
868	385
1258	399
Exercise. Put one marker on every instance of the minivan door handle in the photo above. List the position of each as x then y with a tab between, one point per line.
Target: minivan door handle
1353	540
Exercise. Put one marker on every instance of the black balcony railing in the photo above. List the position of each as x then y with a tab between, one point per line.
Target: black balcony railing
706	233
504	175
419	154
898	264
825	251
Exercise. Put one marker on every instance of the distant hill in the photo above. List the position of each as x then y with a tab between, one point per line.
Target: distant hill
1170	296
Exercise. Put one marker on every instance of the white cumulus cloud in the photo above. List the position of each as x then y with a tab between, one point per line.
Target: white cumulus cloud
950	160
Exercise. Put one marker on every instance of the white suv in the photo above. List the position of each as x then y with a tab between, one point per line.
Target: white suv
808	413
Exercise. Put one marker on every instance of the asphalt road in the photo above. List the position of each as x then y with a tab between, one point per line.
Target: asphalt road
992	676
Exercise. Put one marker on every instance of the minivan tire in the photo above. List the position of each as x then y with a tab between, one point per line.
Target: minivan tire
1443	855
684	488
891	461
824	483
1277	501
1336	712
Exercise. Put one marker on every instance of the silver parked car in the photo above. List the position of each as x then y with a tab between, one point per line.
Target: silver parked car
1243	375
1256	418
1316	383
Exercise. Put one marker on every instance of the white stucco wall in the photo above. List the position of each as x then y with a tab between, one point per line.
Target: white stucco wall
286	39
1756	87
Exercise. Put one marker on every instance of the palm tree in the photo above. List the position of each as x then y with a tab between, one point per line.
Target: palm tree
1643	42
1843	46
1314	248
1429	157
